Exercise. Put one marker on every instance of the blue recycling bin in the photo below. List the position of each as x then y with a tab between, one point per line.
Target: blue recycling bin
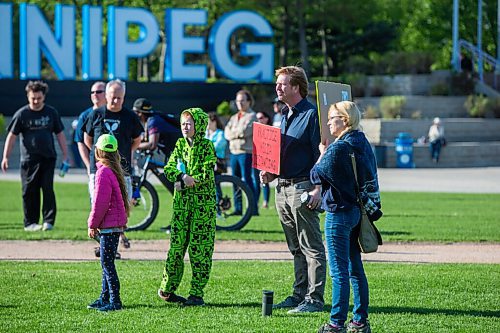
404	151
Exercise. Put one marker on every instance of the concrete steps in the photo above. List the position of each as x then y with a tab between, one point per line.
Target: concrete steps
470	142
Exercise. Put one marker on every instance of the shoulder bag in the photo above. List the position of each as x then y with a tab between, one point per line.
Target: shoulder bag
369	237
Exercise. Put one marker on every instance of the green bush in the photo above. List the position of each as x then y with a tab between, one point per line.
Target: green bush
2	124
224	109
476	106
391	106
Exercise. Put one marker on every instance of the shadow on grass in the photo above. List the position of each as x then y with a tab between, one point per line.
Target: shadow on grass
426	311
395	233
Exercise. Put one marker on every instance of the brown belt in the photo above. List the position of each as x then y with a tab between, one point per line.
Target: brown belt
291	181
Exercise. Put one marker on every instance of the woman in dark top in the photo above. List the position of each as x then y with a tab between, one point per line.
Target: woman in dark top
339	199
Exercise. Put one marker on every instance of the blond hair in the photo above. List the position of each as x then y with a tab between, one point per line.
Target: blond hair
112	161
350	112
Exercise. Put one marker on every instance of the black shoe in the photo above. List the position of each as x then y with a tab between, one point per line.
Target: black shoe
98	303
194	301
289	302
235	214
171	297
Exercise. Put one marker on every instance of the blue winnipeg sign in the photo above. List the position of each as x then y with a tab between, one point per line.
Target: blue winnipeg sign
36	37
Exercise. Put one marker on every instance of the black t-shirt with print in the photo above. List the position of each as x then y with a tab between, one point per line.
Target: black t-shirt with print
124	125
36	130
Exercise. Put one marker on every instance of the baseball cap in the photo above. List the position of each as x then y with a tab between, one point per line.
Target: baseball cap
107	142
143	105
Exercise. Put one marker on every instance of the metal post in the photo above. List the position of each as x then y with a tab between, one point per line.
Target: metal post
480	39
455	58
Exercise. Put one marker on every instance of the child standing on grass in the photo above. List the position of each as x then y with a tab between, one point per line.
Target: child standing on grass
191	168
108	218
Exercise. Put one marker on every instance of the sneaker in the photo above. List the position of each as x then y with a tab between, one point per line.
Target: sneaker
194	301
47	226
33	227
330	328
110	307
356	327
124	241
171	297
98	303
307	306
97	253
289	302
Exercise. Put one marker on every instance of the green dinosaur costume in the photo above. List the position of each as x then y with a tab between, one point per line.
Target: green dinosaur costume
193	219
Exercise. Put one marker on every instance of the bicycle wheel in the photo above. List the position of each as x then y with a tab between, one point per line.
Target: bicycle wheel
234	203
143	213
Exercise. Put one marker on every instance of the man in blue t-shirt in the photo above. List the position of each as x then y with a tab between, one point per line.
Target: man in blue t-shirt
98	99
36	124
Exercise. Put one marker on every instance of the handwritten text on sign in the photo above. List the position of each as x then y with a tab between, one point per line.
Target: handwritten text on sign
266	148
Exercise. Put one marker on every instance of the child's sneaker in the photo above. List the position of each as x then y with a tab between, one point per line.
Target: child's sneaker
98	303
330	328
110	307
194	301
171	297
356	327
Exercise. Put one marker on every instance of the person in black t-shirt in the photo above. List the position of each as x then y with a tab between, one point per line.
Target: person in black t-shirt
120	122
36	123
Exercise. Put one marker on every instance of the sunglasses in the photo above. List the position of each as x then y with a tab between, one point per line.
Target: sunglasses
96	92
260	118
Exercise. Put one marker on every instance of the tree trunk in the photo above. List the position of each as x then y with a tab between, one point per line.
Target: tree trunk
283	56
304	54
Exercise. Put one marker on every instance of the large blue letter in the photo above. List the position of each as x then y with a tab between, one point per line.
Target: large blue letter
36	35
92	42
6	53
261	68
119	48
178	45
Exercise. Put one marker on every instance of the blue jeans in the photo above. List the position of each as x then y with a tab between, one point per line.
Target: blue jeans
110	283
344	259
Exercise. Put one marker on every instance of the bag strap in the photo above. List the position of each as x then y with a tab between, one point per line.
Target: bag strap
354	169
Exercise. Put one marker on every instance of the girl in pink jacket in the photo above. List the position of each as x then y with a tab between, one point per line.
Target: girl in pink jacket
108	218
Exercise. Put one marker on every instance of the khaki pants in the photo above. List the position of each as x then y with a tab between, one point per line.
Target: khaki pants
303	235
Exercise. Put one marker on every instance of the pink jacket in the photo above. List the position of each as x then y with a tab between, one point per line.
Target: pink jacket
108	210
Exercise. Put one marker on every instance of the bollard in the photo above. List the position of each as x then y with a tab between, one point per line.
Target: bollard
267	302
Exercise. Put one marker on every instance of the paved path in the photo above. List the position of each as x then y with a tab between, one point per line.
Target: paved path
244	250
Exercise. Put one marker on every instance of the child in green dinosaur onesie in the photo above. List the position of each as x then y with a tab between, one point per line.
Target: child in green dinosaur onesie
191	168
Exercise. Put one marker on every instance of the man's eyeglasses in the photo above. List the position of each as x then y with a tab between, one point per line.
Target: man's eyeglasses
96	92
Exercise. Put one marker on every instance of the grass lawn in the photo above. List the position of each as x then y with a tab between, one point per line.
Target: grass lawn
428	217
50	297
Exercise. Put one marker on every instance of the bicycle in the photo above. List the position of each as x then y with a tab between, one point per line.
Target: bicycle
146	203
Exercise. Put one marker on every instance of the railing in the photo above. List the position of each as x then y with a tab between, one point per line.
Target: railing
480	55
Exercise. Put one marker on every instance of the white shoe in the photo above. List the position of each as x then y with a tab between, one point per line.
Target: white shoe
47	226
33	227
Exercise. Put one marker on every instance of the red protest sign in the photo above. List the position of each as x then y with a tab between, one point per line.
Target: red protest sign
266	148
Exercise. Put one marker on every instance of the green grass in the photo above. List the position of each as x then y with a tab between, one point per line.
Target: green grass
423	217
49	297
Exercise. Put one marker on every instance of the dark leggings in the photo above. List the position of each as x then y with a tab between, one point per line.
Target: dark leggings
110	282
